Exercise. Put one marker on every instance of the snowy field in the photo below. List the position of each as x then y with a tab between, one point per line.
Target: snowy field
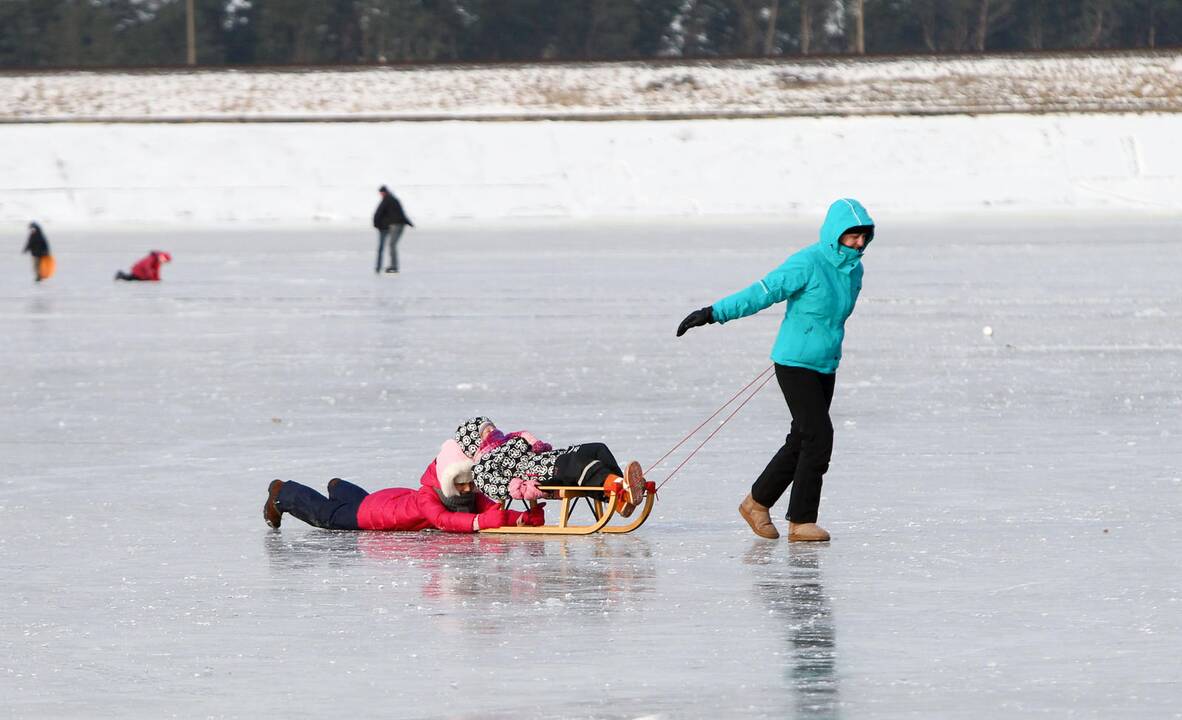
1005	509
227	175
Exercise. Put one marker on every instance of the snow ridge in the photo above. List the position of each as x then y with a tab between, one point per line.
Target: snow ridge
1110	82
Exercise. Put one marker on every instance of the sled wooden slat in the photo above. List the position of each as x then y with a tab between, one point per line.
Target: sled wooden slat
649	498
603	507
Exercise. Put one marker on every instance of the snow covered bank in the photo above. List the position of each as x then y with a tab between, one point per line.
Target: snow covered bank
299	173
1108	82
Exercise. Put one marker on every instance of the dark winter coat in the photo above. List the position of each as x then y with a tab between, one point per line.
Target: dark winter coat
389	213
37	244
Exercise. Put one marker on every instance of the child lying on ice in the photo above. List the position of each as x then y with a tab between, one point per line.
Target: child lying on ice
148	267
446	500
517	464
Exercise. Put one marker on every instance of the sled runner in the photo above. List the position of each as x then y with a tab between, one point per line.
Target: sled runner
602	503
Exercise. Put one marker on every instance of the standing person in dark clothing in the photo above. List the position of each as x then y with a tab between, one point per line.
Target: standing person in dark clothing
389	215
38	247
820	284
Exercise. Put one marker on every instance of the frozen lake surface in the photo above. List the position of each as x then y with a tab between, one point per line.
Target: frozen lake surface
1005	509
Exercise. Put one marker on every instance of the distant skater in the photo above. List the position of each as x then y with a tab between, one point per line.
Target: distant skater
820	284
390	220
147	269
38	247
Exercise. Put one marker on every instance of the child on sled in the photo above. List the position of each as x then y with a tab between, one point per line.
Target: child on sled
517	464
446	500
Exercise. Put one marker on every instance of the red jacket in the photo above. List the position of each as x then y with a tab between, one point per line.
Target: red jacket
406	509
148	268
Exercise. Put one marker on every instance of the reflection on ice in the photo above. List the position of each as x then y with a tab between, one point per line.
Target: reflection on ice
39	305
799	609
576	574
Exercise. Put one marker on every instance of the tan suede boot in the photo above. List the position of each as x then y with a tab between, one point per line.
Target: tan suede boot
758	517
806	532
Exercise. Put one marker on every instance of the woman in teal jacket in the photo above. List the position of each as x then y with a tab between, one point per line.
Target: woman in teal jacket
820	284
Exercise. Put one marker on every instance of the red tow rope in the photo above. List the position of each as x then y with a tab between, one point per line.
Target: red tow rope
766	375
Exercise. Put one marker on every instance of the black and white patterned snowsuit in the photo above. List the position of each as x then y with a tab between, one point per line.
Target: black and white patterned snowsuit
493	472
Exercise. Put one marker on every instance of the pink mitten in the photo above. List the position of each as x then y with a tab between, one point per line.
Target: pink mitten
541	447
525	489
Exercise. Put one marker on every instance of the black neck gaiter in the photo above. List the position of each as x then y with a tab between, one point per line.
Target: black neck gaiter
460	503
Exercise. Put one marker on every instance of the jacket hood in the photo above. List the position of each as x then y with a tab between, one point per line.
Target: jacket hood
430	477
452	467
470	434
843	214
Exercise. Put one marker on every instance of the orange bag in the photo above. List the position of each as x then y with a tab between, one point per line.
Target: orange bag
45	267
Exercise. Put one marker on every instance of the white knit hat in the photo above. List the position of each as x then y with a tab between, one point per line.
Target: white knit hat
452	467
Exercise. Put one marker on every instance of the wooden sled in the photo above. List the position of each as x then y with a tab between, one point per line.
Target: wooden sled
603	509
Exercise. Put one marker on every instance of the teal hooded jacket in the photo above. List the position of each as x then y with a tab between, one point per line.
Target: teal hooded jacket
820	284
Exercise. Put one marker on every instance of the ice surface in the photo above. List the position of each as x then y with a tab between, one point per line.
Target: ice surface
1005	509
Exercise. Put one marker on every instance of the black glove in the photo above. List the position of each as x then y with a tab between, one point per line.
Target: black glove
697	318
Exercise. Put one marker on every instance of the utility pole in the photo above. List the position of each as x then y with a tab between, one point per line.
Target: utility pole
1152	40
982	25
859	27
769	40
190	33
806	27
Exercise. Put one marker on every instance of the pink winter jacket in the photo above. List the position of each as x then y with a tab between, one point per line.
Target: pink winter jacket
148	268
406	509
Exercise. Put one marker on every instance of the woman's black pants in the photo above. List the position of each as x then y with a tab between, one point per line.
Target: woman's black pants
804	458
338	511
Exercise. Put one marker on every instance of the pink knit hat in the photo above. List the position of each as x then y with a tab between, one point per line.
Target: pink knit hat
452	466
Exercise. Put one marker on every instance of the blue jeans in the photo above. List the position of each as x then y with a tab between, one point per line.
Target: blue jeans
338	511
394	233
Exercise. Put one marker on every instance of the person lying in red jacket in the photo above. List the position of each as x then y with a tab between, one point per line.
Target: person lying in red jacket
446	500
148	268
